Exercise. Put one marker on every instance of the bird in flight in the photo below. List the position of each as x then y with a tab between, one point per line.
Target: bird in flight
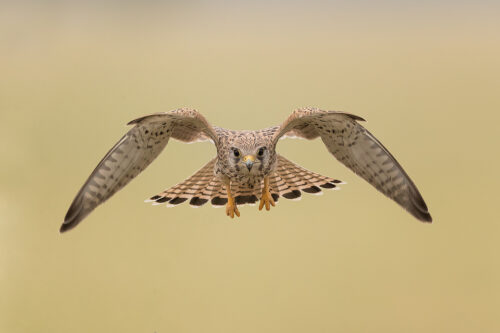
247	168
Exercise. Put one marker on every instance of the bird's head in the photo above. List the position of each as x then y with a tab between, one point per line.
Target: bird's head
245	159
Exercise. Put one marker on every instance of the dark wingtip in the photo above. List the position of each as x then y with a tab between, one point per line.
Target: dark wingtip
418	207
425	217
65	227
69	220
74	216
70	223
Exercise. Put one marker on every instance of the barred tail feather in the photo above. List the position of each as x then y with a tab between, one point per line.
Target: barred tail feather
288	181
199	188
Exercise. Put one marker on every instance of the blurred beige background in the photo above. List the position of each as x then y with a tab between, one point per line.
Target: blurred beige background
424	75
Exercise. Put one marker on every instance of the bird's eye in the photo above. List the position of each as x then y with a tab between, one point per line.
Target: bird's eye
261	151
236	152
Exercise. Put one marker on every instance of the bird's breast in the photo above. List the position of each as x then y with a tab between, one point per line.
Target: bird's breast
248	181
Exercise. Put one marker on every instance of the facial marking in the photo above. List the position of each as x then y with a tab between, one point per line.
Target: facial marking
246	156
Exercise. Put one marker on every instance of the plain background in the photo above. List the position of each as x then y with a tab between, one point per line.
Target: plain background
424	74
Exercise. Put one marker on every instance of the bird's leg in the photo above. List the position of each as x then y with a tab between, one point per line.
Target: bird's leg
231	207
266	198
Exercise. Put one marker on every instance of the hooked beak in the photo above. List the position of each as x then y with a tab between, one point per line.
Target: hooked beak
248	160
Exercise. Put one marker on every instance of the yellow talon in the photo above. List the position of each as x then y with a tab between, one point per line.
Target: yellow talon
266	198
231	207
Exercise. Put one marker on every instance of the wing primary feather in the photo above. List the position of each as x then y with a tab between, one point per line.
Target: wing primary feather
132	154
360	151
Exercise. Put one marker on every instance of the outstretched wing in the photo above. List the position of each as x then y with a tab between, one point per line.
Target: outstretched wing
360	151
132	154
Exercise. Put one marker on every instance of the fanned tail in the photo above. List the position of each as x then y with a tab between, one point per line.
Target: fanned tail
288	181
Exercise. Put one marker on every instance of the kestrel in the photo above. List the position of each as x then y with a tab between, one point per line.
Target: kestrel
247	168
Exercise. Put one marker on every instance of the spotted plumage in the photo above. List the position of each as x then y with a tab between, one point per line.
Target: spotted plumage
247	168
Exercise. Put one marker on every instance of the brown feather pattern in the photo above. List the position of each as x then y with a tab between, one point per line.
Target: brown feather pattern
341	133
360	151
132	154
287	180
